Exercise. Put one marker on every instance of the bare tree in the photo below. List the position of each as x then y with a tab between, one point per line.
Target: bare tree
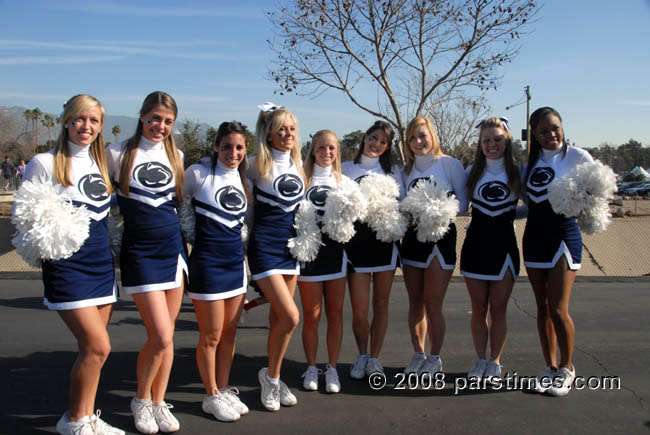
441	46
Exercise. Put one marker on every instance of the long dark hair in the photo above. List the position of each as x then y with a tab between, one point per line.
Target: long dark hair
385	160
225	129
535	146
478	167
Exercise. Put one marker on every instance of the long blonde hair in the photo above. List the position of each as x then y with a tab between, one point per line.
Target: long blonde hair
62	159
268	123
130	148
410	132
311	159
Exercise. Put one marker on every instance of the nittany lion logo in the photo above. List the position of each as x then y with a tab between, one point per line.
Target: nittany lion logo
359	178
93	186
494	191
416	181
541	176
231	199
288	185
153	174
318	195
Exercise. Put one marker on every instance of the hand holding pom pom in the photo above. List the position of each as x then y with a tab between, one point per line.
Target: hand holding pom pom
305	246
381	193
343	207
432	209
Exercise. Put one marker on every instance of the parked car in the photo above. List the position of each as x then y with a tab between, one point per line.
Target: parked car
637	189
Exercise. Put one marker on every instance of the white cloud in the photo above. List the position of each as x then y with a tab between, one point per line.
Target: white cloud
156	10
52	60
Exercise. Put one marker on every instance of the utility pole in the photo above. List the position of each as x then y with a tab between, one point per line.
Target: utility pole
527	90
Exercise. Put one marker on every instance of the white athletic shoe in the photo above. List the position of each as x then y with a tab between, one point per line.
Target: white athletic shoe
83	426
493	372
166	421
287	398
562	382
332	383
478	370
431	366
416	363
142	410
231	394
103	428
310	382
270	394
220	408
358	369
373	366
545	380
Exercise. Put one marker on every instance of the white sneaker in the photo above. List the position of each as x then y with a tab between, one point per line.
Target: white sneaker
270	395
287	398
83	426
142	410
373	366
562	382
103	428
219	407
332	383
431	366
416	363
231	394
310	382
493	372
358	369
166	421
545	380
478	370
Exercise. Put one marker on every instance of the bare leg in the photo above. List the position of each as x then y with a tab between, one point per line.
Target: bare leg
334	297
436	281
311	295
560	284
499	296
417	321
359	284
479	295
382	284
538	280
210	316
226	346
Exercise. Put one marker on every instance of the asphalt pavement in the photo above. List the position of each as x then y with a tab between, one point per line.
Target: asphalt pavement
612	356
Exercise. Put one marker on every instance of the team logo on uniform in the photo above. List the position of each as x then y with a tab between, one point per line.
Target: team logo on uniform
494	191
359	178
318	195
288	185
541	176
153	174
230	199
93	187
416	181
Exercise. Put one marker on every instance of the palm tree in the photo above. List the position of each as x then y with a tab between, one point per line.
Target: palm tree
48	122
116	131
36	115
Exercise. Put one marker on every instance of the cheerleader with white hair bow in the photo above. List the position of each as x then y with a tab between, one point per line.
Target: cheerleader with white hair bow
277	178
372	259
81	286
429	264
552	247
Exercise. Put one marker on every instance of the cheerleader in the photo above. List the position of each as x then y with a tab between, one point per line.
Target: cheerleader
489	259
149	169
217	280
552	248
82	288
428	266
324	276
370	258
277	177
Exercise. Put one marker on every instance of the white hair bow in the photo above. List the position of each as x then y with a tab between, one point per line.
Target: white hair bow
503	119
268	107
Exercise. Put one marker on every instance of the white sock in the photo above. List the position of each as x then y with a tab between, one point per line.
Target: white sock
274	381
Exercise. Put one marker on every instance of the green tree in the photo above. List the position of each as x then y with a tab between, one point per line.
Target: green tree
189	139
350	145
115	131
416	53
48	122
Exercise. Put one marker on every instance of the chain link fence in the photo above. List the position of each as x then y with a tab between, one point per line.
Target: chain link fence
622	250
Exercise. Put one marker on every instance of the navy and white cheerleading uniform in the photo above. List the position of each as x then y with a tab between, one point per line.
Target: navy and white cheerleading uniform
448	171
153	255
365	253
331	262
87	278
276	200
217	266
549	235
490	246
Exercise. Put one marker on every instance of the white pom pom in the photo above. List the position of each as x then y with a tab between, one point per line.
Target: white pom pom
187	220
304	247
49	226
115	230
431	208
381	193
244	233
343	207
585	193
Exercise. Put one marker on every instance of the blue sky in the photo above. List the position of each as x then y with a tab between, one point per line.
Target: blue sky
588	59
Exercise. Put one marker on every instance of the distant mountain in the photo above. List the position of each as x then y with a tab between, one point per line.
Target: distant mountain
127	125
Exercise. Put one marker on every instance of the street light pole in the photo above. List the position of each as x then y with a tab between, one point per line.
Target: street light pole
527	90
